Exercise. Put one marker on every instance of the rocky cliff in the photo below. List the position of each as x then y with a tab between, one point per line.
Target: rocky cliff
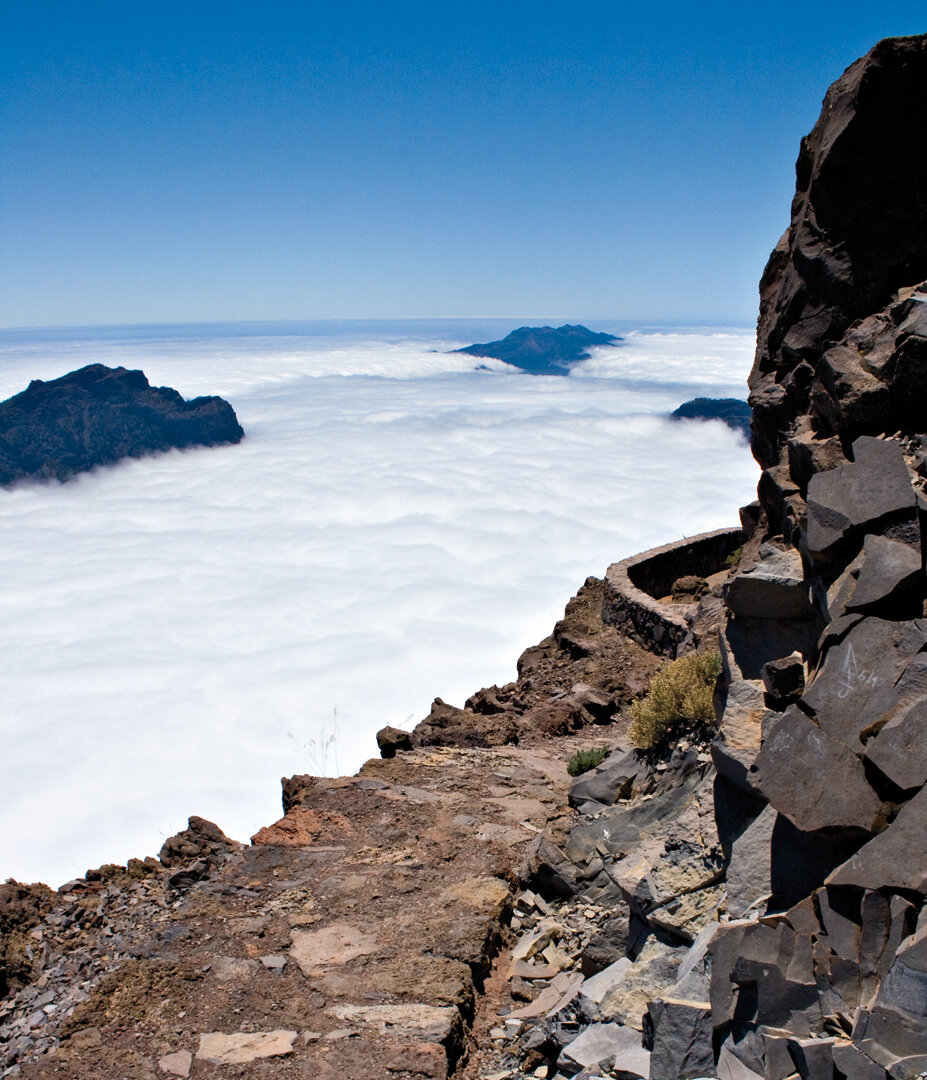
743	900
99	415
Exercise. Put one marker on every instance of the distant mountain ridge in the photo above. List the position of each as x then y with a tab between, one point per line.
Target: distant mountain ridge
543	350
98	415
732	411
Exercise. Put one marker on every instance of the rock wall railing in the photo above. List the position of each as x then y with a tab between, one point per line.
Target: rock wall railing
634	588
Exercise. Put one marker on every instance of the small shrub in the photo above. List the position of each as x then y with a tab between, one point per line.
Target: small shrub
584	760
680	694
733	560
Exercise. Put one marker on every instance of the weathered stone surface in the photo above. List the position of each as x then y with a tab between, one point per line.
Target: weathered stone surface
896	858
866	495
815	781
176	1064
305	827
871	380
607	1043
749	872
784	680
428	1023
624	989
686	857
681	1034
904	988
317	950
858	232
860	685
609	782
813	1058
773	588
890	577
899	750
240	1047
200	840
685	916
390	740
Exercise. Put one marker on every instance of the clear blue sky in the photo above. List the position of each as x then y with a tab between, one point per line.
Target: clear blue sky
165	161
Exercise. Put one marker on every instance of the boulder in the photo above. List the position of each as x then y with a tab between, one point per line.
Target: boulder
890	579
899	750
680	1036
813	779
872	493
201	840
240	1048
861	682
775	980
773	588
609	782
611	1046
391	739
814	1058
447	725
784	680
896	858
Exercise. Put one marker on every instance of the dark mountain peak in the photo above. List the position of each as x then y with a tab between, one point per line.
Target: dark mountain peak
98	415
732	411
543	350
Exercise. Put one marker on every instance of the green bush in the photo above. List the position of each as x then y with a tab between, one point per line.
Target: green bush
733	560
680	694
584	760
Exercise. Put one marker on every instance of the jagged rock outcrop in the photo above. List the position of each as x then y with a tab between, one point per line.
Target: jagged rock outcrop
858	235
98	415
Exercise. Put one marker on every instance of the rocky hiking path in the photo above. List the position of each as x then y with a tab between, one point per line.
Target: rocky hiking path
385	926
350	939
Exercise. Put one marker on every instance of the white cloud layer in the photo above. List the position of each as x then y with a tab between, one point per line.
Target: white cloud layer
181	631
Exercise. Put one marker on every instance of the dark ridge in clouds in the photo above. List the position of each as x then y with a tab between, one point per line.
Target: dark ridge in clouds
734	412
99	415
543	350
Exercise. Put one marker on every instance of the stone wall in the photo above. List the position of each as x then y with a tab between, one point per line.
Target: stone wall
635	588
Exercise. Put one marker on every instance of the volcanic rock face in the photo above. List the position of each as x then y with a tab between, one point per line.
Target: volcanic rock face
858	235
98	415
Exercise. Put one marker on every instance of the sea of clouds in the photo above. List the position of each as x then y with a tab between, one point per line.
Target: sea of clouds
181	631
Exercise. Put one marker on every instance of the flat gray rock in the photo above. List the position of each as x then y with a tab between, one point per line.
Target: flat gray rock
682	1047
900	748
749	873
813	779
607	1042
773	588
854	497
860	683
896	858
891	571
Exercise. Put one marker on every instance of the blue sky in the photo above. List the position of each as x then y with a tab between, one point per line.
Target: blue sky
240	160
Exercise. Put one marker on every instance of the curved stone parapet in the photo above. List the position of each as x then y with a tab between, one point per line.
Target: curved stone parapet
635	588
